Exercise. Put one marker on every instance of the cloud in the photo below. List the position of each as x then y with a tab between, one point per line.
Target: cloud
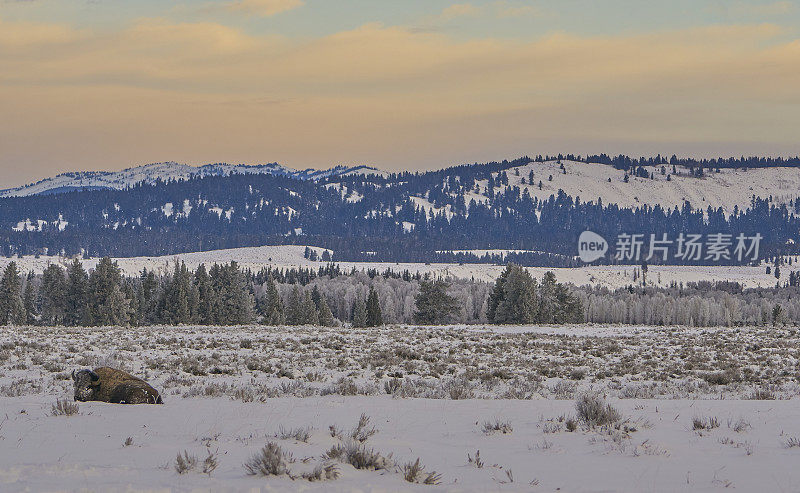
764	10
264	8
205	92
504	9
28	34
499	9
460	10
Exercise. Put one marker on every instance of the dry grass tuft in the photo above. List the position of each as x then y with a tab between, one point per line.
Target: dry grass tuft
497	425
359	456
271	460
414	472
65	407
185	462
593	411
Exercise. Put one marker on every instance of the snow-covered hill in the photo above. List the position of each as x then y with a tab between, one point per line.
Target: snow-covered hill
150	173
590	181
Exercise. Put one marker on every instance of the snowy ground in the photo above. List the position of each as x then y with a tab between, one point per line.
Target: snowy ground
428	393
287	256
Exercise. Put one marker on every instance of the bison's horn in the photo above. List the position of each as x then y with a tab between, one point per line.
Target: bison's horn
73	374
95	376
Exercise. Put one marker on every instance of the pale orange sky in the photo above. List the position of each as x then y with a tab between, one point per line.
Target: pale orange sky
443	83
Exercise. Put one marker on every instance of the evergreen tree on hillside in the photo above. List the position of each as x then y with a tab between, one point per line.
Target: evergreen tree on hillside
433	304
12	310
76	296
53	295
374	316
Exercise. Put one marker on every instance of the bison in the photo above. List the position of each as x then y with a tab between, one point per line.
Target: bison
114	386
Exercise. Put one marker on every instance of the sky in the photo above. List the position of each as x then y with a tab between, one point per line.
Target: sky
400	85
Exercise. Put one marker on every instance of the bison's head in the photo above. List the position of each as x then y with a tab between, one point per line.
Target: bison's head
86	382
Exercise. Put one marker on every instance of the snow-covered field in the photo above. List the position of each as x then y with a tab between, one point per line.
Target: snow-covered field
287	256
700	410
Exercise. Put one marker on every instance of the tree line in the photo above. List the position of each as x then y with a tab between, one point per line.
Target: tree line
228	295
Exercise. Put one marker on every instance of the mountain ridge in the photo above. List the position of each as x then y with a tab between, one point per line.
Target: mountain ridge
166	171
533	205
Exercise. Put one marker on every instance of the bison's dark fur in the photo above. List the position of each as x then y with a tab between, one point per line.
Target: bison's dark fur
112	385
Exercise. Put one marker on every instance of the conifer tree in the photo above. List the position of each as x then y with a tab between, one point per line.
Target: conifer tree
359	313
235	301
316	296
52	295
433	304
29	300
270	302
517	304
294	309
107	304
569	309
206	310
547	299
309	309
325	315
12	310
181	300
374	316
272	306
76	296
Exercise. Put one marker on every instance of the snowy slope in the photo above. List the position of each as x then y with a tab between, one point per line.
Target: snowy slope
589	181
150	173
